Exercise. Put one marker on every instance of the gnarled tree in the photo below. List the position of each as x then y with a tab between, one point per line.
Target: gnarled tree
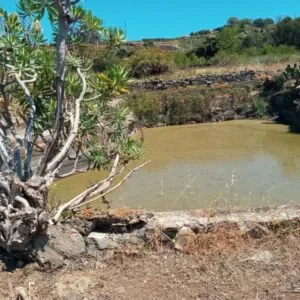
66	110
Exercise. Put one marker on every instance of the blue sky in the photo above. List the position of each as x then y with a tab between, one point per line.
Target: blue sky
171	18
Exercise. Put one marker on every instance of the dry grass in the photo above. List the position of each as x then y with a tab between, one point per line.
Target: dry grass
220	264
189	72
222	239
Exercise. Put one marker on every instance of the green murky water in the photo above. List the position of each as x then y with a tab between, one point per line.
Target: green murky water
248	163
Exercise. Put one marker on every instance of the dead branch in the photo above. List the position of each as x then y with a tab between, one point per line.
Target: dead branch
113	188
104	184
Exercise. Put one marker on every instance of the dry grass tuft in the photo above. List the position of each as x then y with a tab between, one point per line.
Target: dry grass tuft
220	239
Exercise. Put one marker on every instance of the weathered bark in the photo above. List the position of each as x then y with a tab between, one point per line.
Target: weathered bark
63	8
28	132
58	159
22	212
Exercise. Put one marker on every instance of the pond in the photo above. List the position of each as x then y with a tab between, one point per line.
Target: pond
245	163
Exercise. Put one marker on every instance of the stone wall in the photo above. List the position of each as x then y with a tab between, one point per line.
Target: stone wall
206	79
102	234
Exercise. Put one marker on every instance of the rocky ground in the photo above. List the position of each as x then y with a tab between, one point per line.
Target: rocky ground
180	255
221	266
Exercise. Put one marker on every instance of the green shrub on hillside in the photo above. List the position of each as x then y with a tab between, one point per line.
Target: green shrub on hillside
228	40
186	60
207	50
147	62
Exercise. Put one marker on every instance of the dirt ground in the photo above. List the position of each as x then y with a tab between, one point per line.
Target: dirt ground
219	266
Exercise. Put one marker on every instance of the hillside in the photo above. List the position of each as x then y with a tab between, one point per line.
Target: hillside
248	43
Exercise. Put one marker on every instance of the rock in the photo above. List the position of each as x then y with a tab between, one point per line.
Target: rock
84	227
109	241
101	241
184	235
229	115
252	229
108	254
66	240
49	258
136	238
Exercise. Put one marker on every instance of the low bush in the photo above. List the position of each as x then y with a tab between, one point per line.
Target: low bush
184	60
172	107
259	106
147	62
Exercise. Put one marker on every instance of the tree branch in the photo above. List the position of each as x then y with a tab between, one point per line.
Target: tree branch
87	193
66	148
61	53
28	131
3	152
17	163
113	188
93	98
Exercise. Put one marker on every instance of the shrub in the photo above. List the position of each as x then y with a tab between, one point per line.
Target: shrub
201	32
193	104
173	107
228	39
224	58
147	62
259	107
207	50
185	60
105	62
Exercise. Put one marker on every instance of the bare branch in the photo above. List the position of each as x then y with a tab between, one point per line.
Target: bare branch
87	193
73	172
66	148
23	201
113	188
31	115
93	98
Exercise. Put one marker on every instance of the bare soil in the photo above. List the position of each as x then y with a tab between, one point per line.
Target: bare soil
220	265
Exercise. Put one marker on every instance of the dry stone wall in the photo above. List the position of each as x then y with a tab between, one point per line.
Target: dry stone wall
206	79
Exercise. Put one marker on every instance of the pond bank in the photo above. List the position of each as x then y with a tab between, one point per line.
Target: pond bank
99	235
269	270
198	104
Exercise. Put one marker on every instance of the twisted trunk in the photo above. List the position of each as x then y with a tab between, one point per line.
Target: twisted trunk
22	212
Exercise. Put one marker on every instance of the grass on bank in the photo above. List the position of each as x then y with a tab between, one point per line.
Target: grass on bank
195	104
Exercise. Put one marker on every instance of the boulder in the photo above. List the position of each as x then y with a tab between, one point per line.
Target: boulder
66	241
252	229
183	237
101	241
48	258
